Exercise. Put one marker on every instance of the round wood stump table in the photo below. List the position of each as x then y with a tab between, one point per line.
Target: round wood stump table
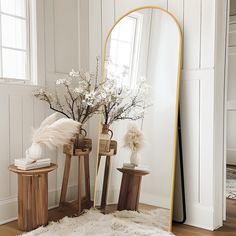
130	189
32	196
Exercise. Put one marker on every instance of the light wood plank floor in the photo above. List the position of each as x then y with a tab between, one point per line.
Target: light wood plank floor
229	228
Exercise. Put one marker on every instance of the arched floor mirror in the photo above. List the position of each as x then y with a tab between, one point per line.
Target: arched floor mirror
143	47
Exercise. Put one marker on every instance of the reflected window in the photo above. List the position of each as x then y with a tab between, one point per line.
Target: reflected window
124	44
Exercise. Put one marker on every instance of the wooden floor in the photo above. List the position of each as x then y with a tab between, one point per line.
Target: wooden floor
229	228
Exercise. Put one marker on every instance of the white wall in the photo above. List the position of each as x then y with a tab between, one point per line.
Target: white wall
19	110
197	18
231	98
59	33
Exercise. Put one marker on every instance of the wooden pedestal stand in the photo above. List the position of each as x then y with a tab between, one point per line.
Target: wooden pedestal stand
108	155
83	155
32	196
130	189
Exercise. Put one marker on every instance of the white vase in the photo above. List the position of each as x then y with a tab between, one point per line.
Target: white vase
35	151
134	158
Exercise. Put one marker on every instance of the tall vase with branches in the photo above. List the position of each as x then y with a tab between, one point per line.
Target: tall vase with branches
123	103
77	96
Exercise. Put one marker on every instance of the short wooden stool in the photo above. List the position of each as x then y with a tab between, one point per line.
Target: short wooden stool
130	189
32	196
83	155
108	155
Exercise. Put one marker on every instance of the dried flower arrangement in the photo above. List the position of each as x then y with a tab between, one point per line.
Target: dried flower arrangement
52	132
122	102
78	96
134	139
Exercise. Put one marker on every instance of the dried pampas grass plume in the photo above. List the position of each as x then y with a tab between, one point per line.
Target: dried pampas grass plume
53	132
134	138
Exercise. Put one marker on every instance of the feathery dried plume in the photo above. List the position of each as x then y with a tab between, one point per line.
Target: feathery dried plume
54	132
134	138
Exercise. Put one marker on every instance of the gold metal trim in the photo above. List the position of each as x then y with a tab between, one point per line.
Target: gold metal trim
176	107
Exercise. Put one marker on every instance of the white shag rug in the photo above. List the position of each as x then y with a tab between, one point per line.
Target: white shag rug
123	223
231	182
231	188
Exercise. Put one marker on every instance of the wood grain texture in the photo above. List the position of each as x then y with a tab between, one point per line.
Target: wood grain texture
130	189
105	182
32	197
65	178
83	158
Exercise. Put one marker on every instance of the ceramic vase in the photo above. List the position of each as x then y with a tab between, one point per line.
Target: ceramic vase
105	138
135	158
35	151
79	140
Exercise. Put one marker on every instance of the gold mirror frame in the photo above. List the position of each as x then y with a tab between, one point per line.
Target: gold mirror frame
177	100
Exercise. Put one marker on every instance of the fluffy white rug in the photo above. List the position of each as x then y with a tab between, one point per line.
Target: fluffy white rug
231	182
117	224
231	188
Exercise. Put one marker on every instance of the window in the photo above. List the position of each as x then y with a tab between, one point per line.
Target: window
124	48
15	40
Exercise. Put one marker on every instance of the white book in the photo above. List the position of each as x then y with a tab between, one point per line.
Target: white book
134	167
33	166
25	161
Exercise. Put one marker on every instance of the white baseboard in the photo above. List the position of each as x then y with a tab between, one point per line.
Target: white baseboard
145	198
200	216
9	208
155	200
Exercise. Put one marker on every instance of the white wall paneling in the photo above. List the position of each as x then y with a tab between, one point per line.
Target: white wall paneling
220	81
123	6
18	116
198	94
231	98
207	34
59	51
192	34
66	35
63	27
84	34
4	146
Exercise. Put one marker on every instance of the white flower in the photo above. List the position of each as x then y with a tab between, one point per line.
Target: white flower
74	73
65	81
79	90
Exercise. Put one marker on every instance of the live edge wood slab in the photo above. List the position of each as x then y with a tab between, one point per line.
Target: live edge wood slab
130	189
32	196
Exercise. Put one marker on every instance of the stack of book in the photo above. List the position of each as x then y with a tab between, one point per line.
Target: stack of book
134	167
25	164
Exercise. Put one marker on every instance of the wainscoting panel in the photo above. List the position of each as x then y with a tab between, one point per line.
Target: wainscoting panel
4	146
176	7
18	117
20	111
190	107
192	34
66	35
123	6
207	34
231	96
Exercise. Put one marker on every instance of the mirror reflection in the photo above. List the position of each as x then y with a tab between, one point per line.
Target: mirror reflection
135	165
